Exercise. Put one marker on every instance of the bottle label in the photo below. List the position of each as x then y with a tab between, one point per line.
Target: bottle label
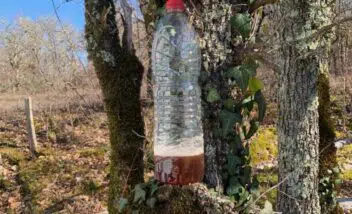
179	170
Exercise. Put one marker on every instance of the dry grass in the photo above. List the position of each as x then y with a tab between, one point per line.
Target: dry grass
69	176
14	103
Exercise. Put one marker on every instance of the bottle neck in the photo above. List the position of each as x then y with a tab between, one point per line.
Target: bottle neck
175	10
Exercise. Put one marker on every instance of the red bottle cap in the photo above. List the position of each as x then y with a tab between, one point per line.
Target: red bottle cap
175	5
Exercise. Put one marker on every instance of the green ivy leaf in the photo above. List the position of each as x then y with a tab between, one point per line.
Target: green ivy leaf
232	162
122	204
251	1
251	66
244	197
153	188
151	202
242	22
245	178
229	104
255	84
246	152
139	194
260	100
248	103
255	187
248	100
235	143
241	74
228	120
234	188
213	95
252	130
338	181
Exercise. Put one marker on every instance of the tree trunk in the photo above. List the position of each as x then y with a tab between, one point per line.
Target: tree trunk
298	114
119	73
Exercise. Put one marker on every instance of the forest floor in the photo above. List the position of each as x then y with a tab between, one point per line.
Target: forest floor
70	175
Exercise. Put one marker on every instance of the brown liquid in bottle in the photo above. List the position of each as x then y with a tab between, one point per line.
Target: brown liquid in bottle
179	170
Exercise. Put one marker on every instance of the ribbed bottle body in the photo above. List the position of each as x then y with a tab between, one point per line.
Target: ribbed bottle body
178	134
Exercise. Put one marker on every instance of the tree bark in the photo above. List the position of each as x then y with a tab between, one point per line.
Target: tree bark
119	73
298	115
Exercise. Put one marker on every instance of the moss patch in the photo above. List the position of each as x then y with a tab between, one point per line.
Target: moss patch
14	155
267	178
344	155
263	148
93	152
4	183
347	175
344	158
340	135
90	187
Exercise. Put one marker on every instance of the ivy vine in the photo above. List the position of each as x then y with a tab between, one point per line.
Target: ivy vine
243	108
239	119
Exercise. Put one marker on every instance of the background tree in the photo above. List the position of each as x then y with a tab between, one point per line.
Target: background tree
36	55
298	124
119	72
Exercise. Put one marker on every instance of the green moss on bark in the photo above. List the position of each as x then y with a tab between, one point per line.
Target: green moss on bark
327	159
119	74
327	156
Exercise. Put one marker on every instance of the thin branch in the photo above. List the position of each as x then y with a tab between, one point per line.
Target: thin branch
128	31
324	30
67	36
269	190
138	135
260	3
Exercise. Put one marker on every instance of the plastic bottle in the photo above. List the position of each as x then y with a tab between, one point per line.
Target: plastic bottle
178	134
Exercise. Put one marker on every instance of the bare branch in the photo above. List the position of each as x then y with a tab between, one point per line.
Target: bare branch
324	30
260	3
127	13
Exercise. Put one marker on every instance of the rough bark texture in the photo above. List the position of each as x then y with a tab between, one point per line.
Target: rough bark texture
298	115
119	74
149	9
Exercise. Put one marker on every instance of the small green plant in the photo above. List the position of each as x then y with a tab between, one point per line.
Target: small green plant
13	155
90	187
142	194
327	192
4	183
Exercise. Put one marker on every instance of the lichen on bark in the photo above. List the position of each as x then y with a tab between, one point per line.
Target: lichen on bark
298	131
119	73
